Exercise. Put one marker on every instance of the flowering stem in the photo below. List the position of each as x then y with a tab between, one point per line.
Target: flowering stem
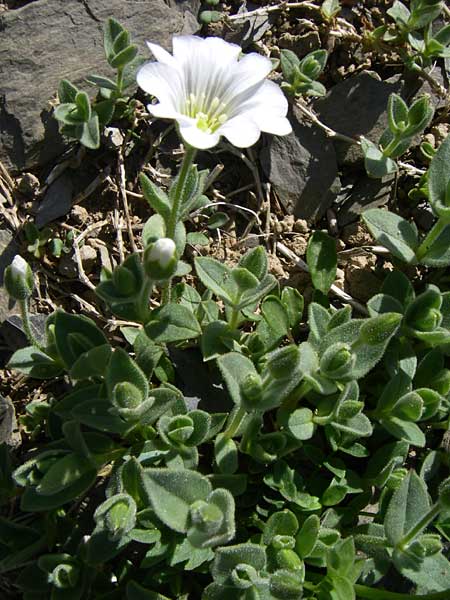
25	314
184	172
142	303
173	219
435	232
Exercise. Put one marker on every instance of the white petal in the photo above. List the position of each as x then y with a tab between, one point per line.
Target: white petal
241	131
276	125
196	137
161	81
250	70
268	97
163	110
213	49
161	55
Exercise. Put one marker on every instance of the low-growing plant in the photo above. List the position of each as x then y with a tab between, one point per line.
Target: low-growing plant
309	466
83	119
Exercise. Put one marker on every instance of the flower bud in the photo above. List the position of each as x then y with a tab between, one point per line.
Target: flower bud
18	279
160	259
429	320
244	576
337	361
206	517
288	559
251	390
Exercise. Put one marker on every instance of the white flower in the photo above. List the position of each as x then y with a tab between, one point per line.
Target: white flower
162	252
19	266
210	93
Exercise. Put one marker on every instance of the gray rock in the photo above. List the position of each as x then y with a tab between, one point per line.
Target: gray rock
57	201
8	249
365	193
48	40
248	30
302	169
356	106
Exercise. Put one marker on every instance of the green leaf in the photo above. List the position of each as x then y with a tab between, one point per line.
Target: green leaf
439	179
111	31
122	368
64	473
155	196
74	335
91	363
90	136
84	106
408	505
301	424
225	454
394	232
101	82
216	276
307	536
34	363
67	92
293	302
217	220
172	323
235	368
280	523
255	261
321	257
105	111
229	557
438	253
253	295
377	164
123	57
330	8
289	65
173	492
397	112
403	430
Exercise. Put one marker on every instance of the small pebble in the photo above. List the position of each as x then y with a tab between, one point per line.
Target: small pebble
29	185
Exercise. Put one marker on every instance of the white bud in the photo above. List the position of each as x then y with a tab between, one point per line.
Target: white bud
19	265
162	252
18	279
160	259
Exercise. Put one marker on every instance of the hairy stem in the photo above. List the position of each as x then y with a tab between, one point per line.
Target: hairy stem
432	236
171	225
420	526
25	314
236	421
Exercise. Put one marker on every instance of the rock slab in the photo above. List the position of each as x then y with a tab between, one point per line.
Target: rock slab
302	169
354	107
48	40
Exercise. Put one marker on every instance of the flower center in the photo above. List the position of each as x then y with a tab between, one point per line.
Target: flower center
209	114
